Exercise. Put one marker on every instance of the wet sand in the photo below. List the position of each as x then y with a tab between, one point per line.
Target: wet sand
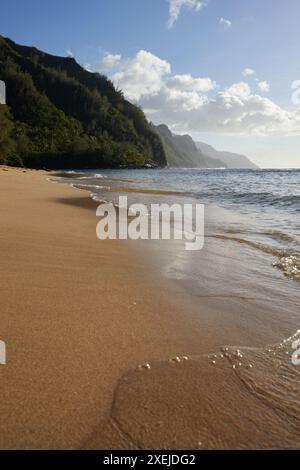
80	317
250	401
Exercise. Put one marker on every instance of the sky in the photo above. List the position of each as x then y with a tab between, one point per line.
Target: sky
227	72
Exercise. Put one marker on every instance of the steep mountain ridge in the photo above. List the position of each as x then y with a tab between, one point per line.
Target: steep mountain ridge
182	152
230	159
65	116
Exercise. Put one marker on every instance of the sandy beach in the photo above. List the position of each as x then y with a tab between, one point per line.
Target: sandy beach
79	317
76	315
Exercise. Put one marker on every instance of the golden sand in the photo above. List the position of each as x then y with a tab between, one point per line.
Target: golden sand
76	314
101	355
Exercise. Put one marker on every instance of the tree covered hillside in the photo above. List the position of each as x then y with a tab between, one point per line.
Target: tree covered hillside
62	116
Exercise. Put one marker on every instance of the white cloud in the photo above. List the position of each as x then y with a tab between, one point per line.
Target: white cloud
264	86
69	53
108	62
188	83
142	75
225	23
194	104
240	90
178	100
248	72
175	7
226	113
88	67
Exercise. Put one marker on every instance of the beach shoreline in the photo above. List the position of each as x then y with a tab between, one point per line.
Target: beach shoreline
77	313
82	320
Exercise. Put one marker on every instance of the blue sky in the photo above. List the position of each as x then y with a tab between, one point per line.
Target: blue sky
189	75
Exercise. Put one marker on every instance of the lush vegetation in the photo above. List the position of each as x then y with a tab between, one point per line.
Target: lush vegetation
62	116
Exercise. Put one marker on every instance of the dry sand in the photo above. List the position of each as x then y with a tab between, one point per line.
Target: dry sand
79	316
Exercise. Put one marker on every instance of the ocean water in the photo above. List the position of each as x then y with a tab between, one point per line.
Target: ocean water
244	286
254	213
250	262
259	208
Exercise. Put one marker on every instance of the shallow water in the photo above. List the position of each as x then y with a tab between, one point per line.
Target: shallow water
259	208
237	398
247	278
252	228
272	197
